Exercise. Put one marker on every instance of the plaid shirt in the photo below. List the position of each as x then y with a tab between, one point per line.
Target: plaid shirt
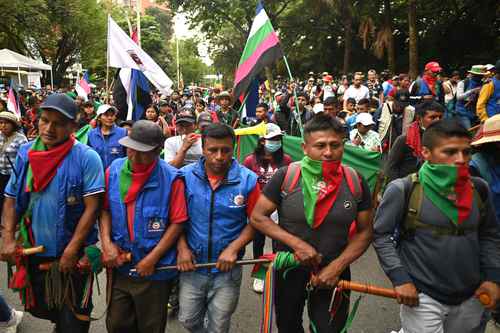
9	149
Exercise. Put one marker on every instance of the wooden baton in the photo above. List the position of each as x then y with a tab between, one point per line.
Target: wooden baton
366	288
32	250
210	265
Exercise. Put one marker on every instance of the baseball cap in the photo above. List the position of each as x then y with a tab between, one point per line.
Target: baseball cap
402	96
144	136
105	108
204	119
272	130
185	115
365	119
433	66
328	78
317	108
61	103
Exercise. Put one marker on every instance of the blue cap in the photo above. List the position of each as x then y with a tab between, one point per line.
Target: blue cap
61	103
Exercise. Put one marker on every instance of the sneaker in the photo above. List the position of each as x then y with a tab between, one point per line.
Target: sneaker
258	286
17	317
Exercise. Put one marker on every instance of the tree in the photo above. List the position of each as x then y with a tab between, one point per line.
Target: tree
191	65
412	33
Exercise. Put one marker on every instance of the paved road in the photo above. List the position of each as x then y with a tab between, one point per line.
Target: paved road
375	314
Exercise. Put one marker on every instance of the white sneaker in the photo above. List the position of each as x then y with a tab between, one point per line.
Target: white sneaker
258	286
17	317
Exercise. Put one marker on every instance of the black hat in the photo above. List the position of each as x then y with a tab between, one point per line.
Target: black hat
144	136
61	103
186	115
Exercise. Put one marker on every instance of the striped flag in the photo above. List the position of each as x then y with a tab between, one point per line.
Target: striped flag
12	103
82	86
262	49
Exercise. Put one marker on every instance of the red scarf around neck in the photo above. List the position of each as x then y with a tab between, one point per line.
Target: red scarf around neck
431	83
43	163
413	139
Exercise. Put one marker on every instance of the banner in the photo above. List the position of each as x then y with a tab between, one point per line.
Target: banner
367	163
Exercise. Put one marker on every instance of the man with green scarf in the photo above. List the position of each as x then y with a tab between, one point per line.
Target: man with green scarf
314	220
447	254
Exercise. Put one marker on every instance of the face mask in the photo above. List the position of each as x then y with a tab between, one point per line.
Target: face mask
272	146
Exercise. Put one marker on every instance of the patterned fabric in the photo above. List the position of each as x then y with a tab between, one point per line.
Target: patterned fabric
9	148
369	141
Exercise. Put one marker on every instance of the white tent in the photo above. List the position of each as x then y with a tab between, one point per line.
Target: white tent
11	59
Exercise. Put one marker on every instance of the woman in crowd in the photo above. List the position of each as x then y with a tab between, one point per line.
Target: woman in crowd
104	138
10	141
267	158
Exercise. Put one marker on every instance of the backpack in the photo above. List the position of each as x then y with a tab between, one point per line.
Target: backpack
292	177
414	197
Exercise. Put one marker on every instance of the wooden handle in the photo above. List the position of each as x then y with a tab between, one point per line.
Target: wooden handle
33	250
367	288
485	299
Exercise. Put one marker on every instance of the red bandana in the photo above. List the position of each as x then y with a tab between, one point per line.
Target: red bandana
413	139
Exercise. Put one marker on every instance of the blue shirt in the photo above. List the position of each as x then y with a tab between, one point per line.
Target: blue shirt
45	204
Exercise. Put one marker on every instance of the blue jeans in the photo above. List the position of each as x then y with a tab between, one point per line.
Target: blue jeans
5	311
214	296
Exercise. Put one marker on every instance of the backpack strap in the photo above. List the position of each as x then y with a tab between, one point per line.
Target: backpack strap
353	182
291	178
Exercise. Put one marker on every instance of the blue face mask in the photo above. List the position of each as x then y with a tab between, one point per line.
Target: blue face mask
272	146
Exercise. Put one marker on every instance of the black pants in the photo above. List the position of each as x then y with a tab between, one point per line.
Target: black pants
64	318
259	240
290	300
137	305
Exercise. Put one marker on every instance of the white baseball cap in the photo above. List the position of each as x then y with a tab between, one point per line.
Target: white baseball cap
272	130
365	119
317	108
104	108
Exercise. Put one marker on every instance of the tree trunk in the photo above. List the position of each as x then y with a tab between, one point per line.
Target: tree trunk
391	55
412	34
347	16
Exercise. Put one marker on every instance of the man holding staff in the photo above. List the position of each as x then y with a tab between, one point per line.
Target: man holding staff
447	253
54	192
144	211
317	200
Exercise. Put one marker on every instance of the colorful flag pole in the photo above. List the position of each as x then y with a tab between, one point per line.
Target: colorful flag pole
12	104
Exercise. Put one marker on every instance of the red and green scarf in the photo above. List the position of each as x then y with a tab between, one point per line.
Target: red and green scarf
43	163
320	185
132	181
449	188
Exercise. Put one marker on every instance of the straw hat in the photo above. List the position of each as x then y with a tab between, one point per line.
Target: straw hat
489	132
478	70
7	115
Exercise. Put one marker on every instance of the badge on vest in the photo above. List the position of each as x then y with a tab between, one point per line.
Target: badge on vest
71	200
156	224
115	150
347	204
237	201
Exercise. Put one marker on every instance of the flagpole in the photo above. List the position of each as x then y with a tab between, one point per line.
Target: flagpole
299	120
107	65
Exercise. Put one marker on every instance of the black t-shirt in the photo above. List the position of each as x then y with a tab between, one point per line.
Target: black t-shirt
331	237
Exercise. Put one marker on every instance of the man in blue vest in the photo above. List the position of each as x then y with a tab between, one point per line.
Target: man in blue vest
143	215
220	196
488	103
428	87
55	191
468	93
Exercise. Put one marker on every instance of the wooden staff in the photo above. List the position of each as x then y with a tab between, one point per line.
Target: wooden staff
365	288
84	265
32	250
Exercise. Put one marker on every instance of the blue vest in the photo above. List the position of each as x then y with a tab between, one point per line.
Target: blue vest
493	104
71	181
468	111
150	220
423	88
217	217
108	148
